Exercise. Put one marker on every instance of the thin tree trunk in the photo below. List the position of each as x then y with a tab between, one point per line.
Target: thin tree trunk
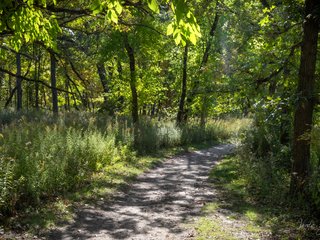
305	104
153	109
180	115
2	81
204	110
13	91
44	97
104	81
10	90
38	70
134	95
19	82
204	62
54	84
67	98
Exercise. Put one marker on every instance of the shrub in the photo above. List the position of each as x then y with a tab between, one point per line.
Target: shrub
43	157
51	159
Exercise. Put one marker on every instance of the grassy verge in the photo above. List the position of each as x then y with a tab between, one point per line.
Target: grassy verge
236	214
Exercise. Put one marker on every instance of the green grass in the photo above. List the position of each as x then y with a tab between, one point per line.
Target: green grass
257	218
212	229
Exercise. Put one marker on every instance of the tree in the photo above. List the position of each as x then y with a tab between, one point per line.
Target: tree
19	82
133	87
54	83
303	114
181	111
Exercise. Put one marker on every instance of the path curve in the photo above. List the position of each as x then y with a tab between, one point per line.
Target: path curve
157	206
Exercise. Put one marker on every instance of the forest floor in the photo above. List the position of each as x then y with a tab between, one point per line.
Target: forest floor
174	200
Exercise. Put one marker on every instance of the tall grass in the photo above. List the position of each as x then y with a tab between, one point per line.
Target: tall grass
44	156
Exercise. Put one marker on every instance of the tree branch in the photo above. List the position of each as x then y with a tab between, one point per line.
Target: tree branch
33	80
276	72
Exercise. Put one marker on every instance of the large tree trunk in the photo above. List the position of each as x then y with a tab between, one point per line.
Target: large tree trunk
54	84
19	82
305	103
180	115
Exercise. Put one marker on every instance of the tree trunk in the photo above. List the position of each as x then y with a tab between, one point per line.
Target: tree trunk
2	81
203	64
304	109
67	97
104	81
19	82
204	111
54	84
134	100
180	115
134	95
38	70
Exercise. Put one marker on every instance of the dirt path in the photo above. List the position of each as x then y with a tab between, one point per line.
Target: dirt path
158	205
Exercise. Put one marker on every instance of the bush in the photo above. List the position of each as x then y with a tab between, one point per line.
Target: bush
43	157
266	164
53	159
315	166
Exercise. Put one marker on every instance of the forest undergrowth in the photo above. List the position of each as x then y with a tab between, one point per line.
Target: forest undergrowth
48	163
254	190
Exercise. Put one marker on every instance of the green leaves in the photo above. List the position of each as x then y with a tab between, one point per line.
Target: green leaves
112	9
153	5
185	27
170	29
29	24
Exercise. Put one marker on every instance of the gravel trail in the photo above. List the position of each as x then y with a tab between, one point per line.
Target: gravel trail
158	205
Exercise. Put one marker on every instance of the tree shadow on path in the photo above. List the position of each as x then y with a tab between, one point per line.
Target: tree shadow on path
155	206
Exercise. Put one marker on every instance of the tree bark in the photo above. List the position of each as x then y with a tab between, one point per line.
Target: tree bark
54	84
38	70
305	104
104	81
19	82
134	100
67	97
2	81
180	115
